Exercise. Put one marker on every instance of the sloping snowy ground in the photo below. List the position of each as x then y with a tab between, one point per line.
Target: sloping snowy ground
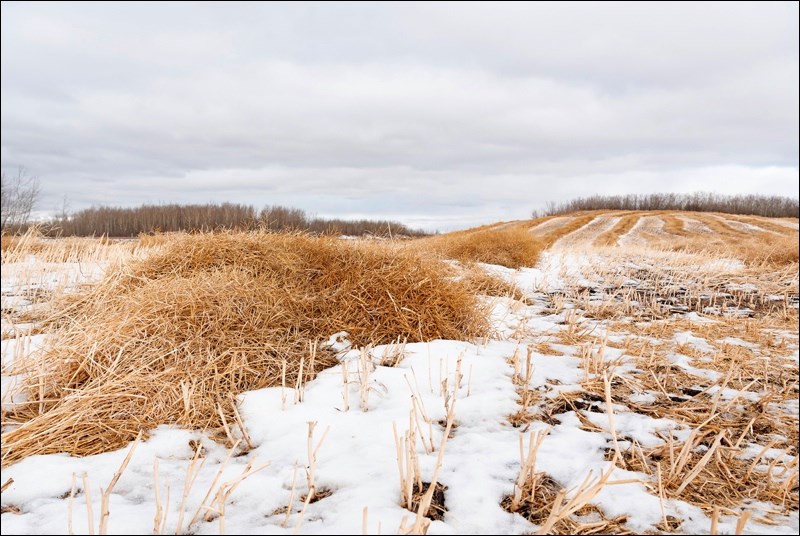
356	459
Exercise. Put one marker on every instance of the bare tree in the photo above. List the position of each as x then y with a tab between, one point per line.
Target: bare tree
63	212
20	192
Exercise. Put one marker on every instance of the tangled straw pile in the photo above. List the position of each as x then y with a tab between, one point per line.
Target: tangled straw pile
168	338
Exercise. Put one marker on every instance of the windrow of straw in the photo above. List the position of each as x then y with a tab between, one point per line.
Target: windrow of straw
513	246
622	227
167	339
578	221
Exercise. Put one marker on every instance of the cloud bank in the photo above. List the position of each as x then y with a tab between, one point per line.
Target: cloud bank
440	115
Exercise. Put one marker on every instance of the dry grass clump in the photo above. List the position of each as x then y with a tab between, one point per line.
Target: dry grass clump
167	339
513	247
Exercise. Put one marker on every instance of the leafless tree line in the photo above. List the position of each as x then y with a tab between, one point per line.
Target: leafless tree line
129	222
19	193
772	206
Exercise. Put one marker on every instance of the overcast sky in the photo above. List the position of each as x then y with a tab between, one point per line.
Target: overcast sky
441	116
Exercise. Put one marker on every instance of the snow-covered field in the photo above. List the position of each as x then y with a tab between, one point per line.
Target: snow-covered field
553	363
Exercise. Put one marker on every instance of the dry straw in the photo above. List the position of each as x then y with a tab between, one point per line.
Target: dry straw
168	338
623	226
18	248
513	247
488	284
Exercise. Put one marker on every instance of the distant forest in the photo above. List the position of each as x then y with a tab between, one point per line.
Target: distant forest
770	206
129	222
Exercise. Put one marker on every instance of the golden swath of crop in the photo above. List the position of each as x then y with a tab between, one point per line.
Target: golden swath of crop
168	338
513	247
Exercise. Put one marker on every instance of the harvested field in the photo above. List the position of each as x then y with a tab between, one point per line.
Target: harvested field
639	377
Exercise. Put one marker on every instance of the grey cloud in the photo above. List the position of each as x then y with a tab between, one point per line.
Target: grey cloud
431	112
